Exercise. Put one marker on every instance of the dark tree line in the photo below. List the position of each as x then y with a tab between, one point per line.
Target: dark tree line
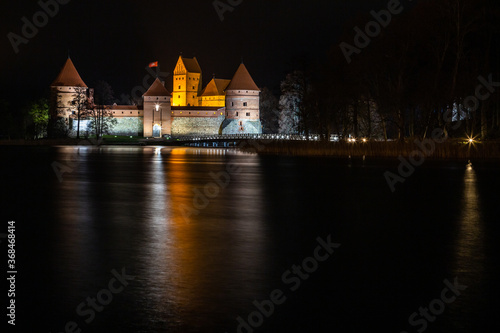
32	120
26	121
432	64
98	110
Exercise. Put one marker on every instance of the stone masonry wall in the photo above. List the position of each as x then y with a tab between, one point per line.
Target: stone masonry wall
126	126
232	126
192	126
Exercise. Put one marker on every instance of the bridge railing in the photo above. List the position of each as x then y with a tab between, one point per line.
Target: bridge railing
283	137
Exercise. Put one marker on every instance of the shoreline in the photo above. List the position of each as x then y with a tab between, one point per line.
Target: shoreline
451	150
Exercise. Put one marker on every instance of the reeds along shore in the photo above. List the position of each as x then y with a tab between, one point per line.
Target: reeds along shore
391	149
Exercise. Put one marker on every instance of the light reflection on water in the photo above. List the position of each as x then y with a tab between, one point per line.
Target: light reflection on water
470	241
195	259
469	252
197	269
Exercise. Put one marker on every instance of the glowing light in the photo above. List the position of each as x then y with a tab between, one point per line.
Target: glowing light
157	107
471	140
364	140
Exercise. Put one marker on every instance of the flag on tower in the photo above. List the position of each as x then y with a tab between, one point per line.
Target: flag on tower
153	64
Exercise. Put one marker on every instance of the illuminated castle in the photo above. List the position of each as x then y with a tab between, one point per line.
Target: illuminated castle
222	107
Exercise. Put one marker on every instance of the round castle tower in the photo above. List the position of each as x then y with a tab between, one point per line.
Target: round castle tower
64	89
242	105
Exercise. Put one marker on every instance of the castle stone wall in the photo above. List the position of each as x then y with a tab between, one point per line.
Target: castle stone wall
239	126
193	126
125	126
128	126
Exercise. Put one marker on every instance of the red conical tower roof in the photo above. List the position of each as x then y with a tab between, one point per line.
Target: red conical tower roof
69	77
242	80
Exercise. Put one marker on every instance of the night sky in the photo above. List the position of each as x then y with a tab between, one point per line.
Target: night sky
114	40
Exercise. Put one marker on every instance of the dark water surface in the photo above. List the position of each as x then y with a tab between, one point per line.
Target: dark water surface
199	261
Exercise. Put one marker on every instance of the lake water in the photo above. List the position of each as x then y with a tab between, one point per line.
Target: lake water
198	235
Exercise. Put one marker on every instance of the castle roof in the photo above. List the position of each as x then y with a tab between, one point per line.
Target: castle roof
215	87
157	89
242	80
191	65
68	77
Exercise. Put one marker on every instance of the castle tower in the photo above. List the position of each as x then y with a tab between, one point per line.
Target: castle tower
242	105
214	93
187	82
64	90
157	111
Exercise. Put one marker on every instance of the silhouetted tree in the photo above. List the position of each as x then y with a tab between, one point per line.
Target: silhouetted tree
80	104
269	111
99	111
39	114
291	103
